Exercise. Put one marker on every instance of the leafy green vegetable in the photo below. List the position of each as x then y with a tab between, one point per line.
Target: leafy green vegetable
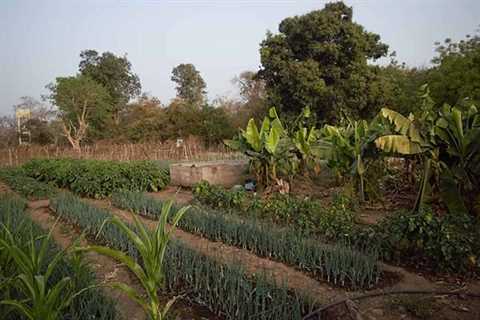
96	178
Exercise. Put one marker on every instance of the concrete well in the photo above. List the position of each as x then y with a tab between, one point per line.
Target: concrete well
226	173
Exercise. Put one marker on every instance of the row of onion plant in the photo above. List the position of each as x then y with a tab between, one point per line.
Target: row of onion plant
225	288
337	264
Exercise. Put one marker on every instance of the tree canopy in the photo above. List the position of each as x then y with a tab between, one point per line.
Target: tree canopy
115	74
83	107
190	84
320	60
456	74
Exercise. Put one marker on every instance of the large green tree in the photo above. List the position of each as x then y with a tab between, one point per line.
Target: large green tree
115	74
456	72
400	85
190	84
320	60
84	107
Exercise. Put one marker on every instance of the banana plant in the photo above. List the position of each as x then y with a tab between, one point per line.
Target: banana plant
349	150
42	300
151	246
446	140
457	138
407	139
264	147
306	141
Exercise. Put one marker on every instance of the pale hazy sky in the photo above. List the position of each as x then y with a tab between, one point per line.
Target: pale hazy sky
41	40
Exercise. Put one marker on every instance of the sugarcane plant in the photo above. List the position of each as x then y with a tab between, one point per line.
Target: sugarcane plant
151	245
42	299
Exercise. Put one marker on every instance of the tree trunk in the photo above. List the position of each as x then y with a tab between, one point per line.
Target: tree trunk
75	135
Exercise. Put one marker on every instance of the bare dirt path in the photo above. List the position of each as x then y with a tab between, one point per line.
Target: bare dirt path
385	308
107	270
279	272
179	194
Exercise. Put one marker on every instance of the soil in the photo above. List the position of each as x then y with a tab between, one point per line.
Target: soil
107	270
397	278
179	194
440	307
279	272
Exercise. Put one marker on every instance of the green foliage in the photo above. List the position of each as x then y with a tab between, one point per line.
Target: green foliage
455	75
336	264
190	85
320	60
262	146
96	178
114	74
350	152
448	243
19	182
151	246
38	280
400	84
219	197
214	125
147	120
225	288
447	140
84	106
331	222
275	150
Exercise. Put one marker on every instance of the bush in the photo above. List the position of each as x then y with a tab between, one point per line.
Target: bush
446	243
28	187
336	264
218	197
331	222
96	178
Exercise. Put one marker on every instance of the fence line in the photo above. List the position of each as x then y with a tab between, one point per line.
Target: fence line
187	150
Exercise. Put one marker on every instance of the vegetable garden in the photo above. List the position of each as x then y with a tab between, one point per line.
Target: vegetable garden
114	205
360	197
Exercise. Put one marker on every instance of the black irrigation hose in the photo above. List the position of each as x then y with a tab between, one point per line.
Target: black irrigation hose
384	293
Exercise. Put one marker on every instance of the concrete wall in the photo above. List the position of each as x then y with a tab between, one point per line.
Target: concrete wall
226	173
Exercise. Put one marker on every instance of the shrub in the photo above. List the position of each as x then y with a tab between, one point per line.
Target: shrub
96	178
446	243
225	288
331	222
219	197
336	264
16	179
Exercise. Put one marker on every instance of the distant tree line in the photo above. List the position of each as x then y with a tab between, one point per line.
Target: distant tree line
321	60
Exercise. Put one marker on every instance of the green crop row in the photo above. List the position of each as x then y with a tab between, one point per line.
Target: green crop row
89	305
97	178
30	188
331	222
337	264
224	288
